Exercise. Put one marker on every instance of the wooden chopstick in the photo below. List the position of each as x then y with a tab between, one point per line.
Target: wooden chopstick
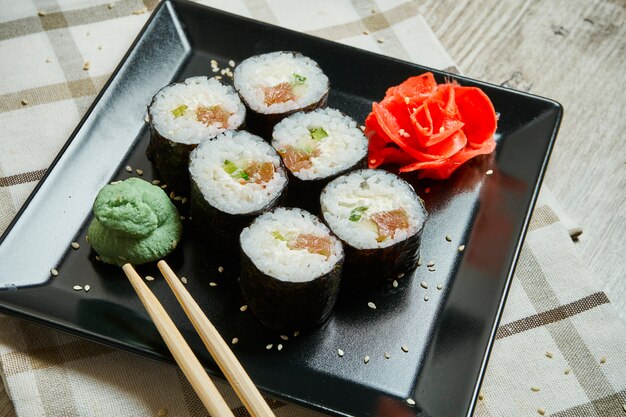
184	356
226	360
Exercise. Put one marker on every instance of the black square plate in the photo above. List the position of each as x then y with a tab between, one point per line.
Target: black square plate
448	337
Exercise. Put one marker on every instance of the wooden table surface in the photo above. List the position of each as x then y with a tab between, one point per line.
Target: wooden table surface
572	51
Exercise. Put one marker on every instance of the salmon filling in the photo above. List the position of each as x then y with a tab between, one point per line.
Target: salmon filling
212	115
278	93
320	245
388	222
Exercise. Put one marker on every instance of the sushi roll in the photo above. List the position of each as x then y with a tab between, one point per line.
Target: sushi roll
277	84
184	114
379	218
290	269
316	147
234	178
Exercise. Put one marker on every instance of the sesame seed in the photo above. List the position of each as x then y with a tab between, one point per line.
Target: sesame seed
419	262
86	65
534	389
380	40
366	32
87	288
149	278
162	412
279	347
77	288
404	348
24	102
424	284
182	217
489	172
54	272
268	347
183	280
461	248
213	62
75	245
407	100
387	355
340	353
178	198
174	243
128	168
97	258
296	333
223	72
172	194
430	263
234	341
42	13
439	286
139	171
156	182
448	238
427	190
215	69
164	186
366	359
363	130
213	284
111	5
220	269
481	396
603	359
183	200
231	63
243	308
394	284
284	337
426	297
566	371
541	411
140	11
410	401
371	305
549	354
401	275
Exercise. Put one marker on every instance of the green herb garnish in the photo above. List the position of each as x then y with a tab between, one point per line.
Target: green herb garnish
179	111
278	236
318	133
234	171
298	79
356	213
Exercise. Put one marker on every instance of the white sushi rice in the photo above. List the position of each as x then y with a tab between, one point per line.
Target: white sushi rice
194	92
223	191
256	73
344	146
377	190
273	256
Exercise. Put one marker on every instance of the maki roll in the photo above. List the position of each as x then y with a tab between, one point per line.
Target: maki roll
379	218
234	178
290	269
316	147
276	84
184	114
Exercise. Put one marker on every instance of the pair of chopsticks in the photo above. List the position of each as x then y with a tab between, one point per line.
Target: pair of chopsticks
184	356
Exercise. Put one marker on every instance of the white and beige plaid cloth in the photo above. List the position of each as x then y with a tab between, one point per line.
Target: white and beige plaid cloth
560	349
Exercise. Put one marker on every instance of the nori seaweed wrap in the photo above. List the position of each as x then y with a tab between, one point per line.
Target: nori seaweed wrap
277	84
234	178
379	218
317	147
290	269
184	114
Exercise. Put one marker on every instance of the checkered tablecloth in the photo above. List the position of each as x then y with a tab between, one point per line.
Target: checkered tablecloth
560	349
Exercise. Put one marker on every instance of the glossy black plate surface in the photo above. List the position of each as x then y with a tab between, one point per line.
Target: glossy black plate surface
449	336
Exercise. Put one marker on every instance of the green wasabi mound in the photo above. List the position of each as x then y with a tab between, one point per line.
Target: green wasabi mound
134	221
